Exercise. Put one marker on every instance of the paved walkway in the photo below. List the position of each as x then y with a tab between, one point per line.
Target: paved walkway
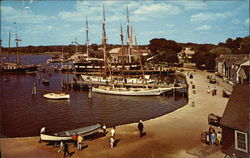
175	135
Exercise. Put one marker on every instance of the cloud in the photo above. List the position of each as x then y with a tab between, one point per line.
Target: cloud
9	14
204	27
247	22
191	5
158	9
209	16
235	21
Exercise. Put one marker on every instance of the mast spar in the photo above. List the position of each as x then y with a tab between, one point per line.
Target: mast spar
122	49
104	40
17	55
87	38
8	57
129	37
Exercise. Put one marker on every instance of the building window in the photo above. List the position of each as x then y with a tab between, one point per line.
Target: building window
241	141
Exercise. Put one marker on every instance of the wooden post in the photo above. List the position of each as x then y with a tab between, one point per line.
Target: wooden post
34	89
90	92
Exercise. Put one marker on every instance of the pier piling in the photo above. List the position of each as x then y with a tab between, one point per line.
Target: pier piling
34	89
90	92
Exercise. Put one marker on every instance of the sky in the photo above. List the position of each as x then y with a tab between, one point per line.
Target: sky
61	22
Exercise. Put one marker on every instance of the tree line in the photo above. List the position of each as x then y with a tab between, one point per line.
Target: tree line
164	50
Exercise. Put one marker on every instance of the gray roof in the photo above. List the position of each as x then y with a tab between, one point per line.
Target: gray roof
236	114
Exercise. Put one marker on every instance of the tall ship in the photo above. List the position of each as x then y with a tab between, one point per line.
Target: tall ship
127	57
17	67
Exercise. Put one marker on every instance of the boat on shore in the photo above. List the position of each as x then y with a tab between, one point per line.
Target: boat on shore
57	96
67	135
130	91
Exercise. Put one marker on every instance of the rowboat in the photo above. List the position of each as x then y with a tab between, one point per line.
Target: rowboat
130	91
67	135
57	96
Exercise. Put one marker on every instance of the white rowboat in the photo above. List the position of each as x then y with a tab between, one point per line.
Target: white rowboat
56	96
67	135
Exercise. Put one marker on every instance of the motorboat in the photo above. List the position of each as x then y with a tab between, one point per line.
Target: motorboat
67	135
57	96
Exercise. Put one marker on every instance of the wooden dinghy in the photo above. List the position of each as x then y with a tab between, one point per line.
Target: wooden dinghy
57	96
67	135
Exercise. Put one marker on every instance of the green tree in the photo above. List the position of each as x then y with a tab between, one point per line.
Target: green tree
221	50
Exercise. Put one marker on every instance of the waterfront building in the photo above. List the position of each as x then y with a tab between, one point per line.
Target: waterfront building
225	62
235	123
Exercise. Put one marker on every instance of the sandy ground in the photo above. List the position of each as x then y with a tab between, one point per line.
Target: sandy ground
174	135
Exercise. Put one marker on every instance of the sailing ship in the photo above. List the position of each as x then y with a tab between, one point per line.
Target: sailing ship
121	90
16	67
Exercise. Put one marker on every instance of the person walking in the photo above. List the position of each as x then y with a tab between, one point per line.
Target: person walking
66	150
219	137
61	147
112	132
208	89
140	127
74	138
213	138
112	140
104	129
79	142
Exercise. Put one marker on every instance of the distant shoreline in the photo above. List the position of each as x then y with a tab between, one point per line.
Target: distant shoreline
44	53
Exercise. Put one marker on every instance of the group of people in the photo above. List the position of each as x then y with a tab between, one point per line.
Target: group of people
213	138
65	148
140	127
79	139
77	142
212	90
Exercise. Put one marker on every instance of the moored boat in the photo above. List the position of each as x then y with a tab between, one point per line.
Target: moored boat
67	135
130	91
17	68
57	96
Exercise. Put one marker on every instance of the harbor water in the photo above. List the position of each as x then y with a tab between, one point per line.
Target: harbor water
23	114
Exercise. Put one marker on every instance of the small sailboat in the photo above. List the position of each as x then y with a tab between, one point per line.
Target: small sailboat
57	95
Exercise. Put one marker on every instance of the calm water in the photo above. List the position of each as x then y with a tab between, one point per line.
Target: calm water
23	114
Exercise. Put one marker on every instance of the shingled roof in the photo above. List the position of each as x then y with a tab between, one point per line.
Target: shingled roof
236	114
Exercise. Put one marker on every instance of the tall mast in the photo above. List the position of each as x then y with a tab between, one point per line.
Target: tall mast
136	44
17	55
62	58
87	38
129	39
104	40
76	46
1	60
122	49
8	57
